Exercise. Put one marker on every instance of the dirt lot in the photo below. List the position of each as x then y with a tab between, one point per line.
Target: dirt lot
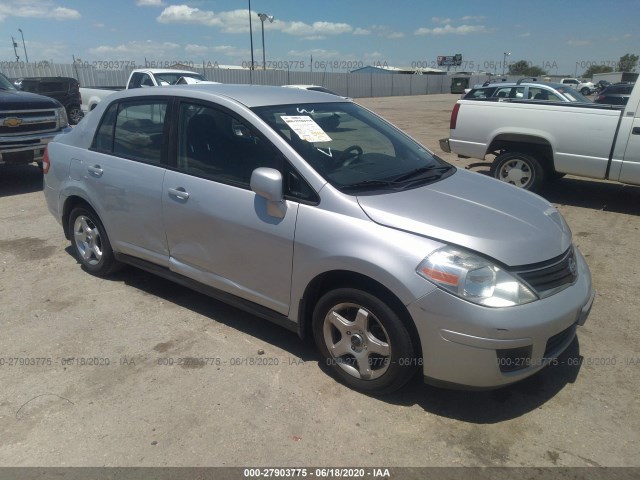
71	408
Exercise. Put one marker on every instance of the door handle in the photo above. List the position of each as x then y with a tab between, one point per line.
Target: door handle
96	171
635	131
179	192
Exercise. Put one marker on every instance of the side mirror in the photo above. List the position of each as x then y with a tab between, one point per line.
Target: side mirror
267	183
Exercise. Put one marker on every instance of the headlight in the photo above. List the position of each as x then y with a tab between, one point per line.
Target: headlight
63	121
474	278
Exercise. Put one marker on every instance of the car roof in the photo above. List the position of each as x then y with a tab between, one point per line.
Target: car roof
46	79
159	71
248	95
556	86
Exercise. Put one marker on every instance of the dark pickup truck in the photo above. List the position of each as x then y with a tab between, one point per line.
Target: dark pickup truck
27	123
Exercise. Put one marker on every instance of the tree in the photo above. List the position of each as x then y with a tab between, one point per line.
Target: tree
522	67
596	69
628	62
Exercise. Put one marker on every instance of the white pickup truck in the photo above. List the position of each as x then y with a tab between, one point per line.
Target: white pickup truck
585	88
91	96
534	140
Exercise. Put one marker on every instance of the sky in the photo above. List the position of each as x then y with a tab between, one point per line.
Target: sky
563	37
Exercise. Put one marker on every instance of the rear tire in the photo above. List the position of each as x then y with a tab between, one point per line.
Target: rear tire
519	169
74	113
90	242
363	341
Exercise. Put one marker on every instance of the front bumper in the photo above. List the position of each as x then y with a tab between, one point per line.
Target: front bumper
26	148
474	346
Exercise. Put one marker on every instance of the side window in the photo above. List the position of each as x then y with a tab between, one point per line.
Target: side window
52	87
135	81
542	94
103	141
214	144
146	81
296	187
503	92
139	130
516	92
139	80
477	93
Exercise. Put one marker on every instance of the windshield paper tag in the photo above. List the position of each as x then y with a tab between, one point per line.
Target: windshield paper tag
306	128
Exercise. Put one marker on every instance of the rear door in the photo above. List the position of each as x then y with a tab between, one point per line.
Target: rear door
218	230
123	173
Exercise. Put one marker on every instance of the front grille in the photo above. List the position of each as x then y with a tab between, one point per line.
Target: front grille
32	121
550	277
558	340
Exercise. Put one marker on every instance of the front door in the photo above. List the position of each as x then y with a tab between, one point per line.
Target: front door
218	230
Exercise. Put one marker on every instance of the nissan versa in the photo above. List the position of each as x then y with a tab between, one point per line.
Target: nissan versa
314	213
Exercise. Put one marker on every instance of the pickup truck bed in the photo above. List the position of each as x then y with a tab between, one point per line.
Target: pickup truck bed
535	140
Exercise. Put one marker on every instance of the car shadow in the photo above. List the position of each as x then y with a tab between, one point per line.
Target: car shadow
479	407
215	310
593	194
19	179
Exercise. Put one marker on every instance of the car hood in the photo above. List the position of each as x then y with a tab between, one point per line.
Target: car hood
512	226
17	100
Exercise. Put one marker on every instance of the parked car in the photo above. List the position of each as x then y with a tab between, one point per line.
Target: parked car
391	258
140	78
27	123
523	89
617	94
532	144
601	85
585	88
64	89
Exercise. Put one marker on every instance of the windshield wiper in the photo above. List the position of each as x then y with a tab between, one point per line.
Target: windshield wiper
373	183
417	174
403	180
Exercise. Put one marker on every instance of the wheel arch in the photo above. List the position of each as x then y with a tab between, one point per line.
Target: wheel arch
70	203
335	279
539	147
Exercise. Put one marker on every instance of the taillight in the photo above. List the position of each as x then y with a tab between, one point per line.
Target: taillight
45	160
454	116
600	98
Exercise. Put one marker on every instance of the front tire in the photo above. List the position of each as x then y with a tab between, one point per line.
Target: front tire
90	242
363	341
585	91
519	169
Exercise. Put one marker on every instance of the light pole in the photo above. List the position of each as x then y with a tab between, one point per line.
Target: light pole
15	46
504	61
24	46
263	17
250	36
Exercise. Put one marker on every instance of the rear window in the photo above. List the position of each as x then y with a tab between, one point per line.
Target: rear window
480	93
620	89
53	87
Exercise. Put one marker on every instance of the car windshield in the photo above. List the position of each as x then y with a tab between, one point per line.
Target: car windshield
5	84
172	78
353	149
